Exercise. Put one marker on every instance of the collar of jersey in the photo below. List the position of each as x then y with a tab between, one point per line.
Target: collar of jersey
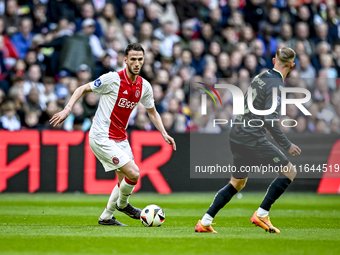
279	73
128	79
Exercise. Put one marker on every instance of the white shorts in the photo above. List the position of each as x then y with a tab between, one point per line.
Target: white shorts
112	154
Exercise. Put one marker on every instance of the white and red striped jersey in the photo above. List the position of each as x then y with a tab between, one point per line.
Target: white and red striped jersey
119	96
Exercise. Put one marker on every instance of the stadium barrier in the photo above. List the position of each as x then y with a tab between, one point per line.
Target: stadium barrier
60	161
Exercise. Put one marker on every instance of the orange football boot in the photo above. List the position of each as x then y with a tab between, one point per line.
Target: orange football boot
200	228
264	223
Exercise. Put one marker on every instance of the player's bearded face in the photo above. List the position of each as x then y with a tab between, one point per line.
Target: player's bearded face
134	61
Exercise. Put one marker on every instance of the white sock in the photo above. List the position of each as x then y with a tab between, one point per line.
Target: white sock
206	220
125	191
111	204
262	212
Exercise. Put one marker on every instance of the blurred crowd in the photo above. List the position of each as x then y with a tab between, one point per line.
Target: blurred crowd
49	48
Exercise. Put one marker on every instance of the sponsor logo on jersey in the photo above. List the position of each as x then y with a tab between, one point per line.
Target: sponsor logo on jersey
276	160
115	160
137	93
97	83
125	92
123	102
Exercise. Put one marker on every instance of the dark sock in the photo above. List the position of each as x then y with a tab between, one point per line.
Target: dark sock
222	197
275	190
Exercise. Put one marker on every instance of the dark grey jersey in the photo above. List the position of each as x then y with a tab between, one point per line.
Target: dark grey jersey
262	95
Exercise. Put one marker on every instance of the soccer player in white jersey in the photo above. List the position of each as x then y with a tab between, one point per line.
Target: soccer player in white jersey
120	93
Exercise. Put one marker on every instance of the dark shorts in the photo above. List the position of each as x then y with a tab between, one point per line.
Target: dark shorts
264	153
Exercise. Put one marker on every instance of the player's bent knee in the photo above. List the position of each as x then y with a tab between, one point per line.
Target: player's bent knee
134	176
289	171
238	183
133	173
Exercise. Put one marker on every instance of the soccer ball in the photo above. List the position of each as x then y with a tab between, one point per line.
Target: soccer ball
152	216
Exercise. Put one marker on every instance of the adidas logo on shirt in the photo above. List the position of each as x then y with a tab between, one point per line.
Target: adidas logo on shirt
125	92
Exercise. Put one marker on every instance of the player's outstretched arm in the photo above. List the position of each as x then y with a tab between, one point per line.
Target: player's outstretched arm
157	121
59	117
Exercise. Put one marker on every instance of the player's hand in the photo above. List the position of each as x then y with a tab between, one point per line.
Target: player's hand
170	141
294	150
59	117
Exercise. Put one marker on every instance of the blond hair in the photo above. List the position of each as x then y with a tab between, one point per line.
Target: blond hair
285	55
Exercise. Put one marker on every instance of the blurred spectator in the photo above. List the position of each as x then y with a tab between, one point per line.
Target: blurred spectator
168	121
16	93
11	18
289	12
120	64
152	15
167	12
307	71
250	63
321	49
253	12
129	15
142	122
9	120
145	34
168	38
56	42
128	35
40	22
198	59
228	39
321	127
335	125
321	91
7	47
31	120
269	42
109	18
57	9
301	126
33	80
286	35
62	94
322	34
84	74
333	23
49	94
76	119
79	46
88	28
187	33
2	96
104	66
158	96
207	33
87	12
33	101
90	104
326	62
51	109
257	47
224	70
302	34
187	9
273	20
23	39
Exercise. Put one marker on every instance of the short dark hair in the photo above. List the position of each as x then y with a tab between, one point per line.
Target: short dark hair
134	46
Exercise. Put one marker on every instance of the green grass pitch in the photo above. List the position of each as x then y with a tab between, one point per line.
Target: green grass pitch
67	224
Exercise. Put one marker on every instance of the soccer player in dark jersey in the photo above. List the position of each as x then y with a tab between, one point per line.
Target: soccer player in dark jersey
250	147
